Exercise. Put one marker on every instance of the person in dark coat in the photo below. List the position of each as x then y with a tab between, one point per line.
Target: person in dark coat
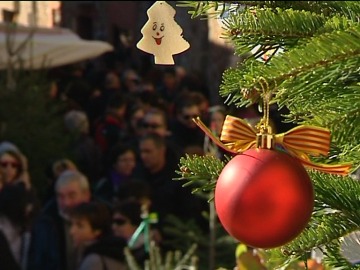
121	164
168	196
185	132
51	247
110	128
17	209
7	260
84	150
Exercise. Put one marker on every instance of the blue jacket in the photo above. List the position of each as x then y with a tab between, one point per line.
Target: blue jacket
47	246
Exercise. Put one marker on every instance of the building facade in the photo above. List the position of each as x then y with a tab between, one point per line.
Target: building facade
31	13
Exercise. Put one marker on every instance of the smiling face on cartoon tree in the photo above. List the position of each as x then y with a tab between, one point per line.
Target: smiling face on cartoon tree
158	32
162	36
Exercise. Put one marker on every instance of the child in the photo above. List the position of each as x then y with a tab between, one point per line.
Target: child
90	230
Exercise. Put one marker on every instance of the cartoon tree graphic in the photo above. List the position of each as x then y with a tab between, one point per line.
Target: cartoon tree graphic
162	36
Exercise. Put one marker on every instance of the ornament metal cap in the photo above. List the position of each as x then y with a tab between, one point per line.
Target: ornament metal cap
265	137
265	141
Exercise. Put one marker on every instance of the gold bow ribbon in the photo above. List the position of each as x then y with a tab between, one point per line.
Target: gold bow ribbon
238	136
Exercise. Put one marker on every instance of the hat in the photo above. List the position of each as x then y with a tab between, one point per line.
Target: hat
6	146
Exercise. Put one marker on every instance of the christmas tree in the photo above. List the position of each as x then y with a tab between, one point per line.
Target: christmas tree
33	122
302	56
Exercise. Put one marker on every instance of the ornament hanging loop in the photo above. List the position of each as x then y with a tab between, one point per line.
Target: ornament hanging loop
265	136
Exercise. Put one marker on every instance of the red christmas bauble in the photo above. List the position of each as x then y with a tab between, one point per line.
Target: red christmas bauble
264	198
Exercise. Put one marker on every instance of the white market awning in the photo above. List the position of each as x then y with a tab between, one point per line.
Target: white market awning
37	48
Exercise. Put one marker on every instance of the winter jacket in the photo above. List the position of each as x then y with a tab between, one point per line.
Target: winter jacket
47	246
105	254
7	260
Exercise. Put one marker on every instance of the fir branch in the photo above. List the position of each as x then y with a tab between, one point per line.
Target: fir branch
338	193
183	233
270	27
233	88
330	8
325	84
208	9
338	105
335	260
186	258
278	28
332	104
321	231
201	172
199	9
130	259
324	53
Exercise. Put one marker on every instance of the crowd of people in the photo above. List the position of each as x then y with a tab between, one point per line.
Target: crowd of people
131	130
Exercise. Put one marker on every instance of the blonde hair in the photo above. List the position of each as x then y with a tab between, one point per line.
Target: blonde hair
62	165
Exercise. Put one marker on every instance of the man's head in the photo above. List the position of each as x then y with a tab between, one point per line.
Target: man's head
153	152
155	121
76	121
131	80
116	106
170	79
112	81
187	108
71	188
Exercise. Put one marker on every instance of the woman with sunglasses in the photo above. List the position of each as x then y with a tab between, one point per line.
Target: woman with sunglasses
126	218
13	168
